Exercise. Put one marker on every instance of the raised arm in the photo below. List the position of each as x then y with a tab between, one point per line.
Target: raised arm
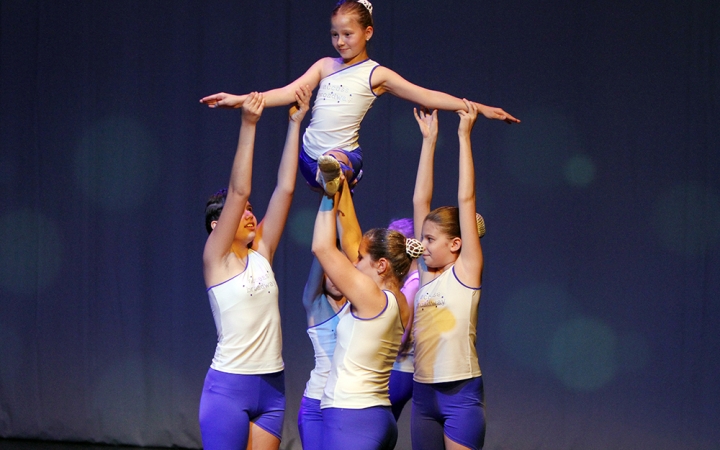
313	287
366	297
386	80
347	222
219	242
274	97
271	227
469	265
422	197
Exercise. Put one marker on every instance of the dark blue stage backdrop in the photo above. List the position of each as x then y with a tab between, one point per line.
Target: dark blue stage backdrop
598	324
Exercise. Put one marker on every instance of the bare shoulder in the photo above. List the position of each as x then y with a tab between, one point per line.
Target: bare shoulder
381	74
328	65
385	80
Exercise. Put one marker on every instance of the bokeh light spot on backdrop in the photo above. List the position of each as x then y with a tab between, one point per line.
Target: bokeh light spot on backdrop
583	354
30	251
302	225
529	322
686	219
536	152
579	171
116	163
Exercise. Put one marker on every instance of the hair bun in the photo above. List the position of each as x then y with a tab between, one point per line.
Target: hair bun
414	248
480	225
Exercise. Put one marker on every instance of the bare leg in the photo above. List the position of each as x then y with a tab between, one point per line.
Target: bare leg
452	445
328	170
342	157
262	440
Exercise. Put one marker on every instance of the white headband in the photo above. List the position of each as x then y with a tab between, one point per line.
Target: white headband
366	4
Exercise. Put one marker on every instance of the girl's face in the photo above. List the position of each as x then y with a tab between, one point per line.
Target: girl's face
440	250
248	223
364	262
349	37
331	289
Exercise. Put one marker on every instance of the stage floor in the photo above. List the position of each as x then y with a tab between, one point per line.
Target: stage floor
22	444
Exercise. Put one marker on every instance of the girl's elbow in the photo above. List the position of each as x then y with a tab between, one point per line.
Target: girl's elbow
317	249
466	197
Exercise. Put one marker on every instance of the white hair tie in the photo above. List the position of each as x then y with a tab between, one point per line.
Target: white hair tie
366	4
414	248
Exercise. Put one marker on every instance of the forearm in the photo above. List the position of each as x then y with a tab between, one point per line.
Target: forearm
466	178
424	178
324	231
281	96
442	101
348	225
314	284
287	170
241	172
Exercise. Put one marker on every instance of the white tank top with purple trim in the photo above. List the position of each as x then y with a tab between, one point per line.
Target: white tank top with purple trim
323	337
445	330
364	355
342	100
247	319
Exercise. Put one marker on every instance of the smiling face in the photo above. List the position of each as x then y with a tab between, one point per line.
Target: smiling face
349	37
440	249
246	229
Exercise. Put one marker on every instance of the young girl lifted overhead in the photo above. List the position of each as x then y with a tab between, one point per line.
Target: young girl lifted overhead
348	87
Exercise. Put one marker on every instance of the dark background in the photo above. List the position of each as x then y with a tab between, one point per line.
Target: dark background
601	295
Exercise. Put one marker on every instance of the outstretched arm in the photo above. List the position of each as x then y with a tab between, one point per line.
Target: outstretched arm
313	286
470	262
347	222
271	227
422	196
386	80
274	97
219	242
366	297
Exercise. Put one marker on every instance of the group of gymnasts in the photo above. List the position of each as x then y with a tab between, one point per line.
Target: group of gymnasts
392	312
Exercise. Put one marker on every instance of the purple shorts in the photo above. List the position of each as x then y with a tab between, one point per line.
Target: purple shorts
401	390
371	428
455	409
308	166
310	423
229	402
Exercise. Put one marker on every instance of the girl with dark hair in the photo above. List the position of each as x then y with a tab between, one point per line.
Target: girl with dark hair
243	398
355	405
348	86
448	405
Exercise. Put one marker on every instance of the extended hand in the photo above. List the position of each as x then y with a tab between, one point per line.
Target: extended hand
428	122
467	118
302	104
492	112
224	100
253	107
